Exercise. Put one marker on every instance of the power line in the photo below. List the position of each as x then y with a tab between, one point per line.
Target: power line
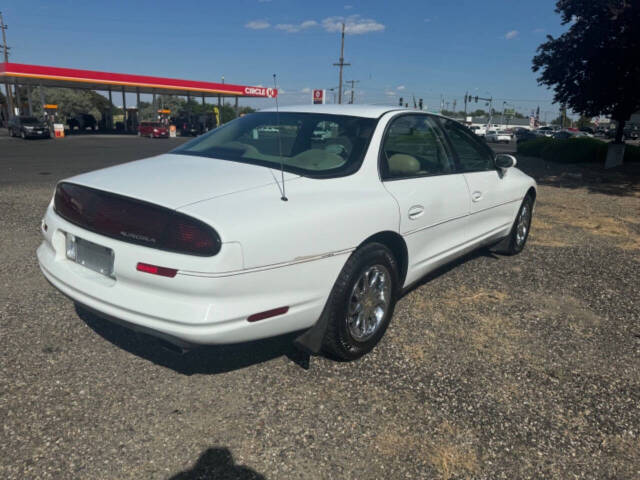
6	48
353	83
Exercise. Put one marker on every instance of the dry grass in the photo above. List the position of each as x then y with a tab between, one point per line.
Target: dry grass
448	449
555	226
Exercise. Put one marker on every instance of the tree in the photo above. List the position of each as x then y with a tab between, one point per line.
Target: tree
593	68
583	122
69	101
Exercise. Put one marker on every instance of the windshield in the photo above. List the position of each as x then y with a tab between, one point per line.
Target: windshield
29	120
306	143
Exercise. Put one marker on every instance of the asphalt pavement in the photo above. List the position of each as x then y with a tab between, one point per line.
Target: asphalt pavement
495	367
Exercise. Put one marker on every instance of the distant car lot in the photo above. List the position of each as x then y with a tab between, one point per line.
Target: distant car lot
499	367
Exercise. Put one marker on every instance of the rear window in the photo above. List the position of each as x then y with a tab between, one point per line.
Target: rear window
309	144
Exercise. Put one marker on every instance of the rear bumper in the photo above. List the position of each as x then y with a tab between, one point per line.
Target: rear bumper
191	308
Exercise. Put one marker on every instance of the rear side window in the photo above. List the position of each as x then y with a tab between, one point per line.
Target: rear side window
413	147
473	155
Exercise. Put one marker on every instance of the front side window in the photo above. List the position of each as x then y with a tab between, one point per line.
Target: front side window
413	147
305	143
473	156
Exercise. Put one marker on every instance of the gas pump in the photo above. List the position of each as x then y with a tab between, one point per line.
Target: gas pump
106	122
163	116
50	115
132	120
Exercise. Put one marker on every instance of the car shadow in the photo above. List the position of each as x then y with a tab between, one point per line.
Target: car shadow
208	359
217	463
623	181
480	253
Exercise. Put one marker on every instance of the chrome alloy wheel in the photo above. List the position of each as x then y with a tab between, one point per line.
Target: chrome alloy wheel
524	220
369	303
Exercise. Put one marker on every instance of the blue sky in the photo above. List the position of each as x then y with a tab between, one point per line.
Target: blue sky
425	48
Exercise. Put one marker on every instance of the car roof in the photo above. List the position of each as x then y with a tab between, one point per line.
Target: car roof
367	111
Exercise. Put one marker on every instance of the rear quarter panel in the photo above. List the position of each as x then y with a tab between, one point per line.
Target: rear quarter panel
320	217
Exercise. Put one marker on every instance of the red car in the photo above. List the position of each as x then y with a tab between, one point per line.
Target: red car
153	130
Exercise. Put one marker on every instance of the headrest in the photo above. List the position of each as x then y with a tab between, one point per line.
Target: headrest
402	164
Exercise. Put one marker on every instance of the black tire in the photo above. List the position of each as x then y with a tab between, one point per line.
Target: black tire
513	243
338	341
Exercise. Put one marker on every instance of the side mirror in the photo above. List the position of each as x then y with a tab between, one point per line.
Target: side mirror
504	161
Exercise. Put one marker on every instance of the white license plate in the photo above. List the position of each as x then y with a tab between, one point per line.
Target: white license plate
90	255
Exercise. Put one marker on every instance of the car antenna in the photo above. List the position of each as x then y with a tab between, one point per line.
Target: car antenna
275	85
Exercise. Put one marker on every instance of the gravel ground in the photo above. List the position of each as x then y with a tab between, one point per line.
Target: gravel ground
495	367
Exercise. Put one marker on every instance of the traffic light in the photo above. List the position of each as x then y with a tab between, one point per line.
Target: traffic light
401	102
420	104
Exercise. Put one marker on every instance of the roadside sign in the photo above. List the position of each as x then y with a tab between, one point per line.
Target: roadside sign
318	97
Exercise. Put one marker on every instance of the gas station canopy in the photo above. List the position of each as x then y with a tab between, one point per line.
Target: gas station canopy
38	75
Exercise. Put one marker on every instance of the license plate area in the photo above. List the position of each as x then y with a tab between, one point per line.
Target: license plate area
90	255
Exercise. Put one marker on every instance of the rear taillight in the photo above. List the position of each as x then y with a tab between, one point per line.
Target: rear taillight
135	221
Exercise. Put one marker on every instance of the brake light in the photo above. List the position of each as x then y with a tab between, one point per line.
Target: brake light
135	221
155	270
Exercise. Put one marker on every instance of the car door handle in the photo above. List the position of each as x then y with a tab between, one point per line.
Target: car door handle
415	211
476	196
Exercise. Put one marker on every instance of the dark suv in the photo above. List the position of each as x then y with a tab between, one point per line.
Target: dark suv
82	121
28	127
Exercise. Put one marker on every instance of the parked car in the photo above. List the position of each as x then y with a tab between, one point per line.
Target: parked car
82	121
189	129
153	130
479	130
212	244
28	127
631	133
498	136
570	133
545	131
524	135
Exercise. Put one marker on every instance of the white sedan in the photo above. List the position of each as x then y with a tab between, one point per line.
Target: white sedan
240	235
498	136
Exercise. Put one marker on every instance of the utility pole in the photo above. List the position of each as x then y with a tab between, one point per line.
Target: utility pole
454	106
6	48
353	83
466	98
341	64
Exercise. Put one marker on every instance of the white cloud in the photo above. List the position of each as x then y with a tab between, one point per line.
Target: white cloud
390	93
293	28
510	35
348	7
354	25
427	20
257	24
263	1
400	87
306	90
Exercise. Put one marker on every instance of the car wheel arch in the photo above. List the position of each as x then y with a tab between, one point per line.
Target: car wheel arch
396	244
